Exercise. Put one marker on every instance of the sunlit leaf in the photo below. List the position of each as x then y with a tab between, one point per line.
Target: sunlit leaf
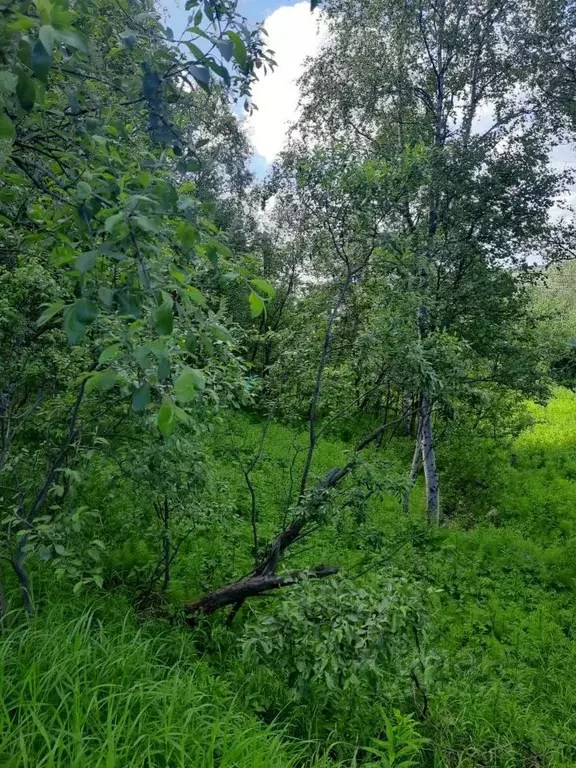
166	418
263	286
7	129
49	312
256	304
109	353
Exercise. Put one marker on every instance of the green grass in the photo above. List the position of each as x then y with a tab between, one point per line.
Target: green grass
501	648
82	693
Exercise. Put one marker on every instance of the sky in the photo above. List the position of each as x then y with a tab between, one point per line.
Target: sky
292	35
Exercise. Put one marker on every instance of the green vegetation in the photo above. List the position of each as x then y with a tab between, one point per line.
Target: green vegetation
296	489
93	684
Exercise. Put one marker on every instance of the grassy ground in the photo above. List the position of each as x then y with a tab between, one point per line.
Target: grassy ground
90	689
91	685
501	644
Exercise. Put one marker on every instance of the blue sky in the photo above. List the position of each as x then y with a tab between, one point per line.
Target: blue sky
293	35
254	10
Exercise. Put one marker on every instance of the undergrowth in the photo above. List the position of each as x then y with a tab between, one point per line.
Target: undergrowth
94	690
479	658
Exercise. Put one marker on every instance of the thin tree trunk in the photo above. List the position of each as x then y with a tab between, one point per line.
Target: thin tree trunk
429	462
235	594
414	469
406	417
22	575
166	546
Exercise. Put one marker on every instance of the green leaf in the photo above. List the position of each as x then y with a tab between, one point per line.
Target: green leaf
77	318
201	75
165	420
7	130
106	296
49	312
186	234
141	397
45	553
21	23
104	380
199	379
196	295
129	304
188	384
163	370
221	71
72	38
226	48
164	320
221	333
46	37
256	304
240	53
83	190
109	353
194	50
218	247
41	61
26	91
86	261
8	81
182	416
60	550
113	221
263	286
142	357
145	223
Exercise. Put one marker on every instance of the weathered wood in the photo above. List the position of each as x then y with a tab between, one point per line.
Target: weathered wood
231	594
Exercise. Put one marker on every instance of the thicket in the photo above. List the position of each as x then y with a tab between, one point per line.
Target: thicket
293	489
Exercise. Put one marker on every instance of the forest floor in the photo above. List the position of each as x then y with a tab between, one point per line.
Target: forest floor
90	683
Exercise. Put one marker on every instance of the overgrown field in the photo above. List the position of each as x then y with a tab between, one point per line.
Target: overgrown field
471	629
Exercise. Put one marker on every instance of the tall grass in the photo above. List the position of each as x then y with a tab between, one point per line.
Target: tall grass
82	694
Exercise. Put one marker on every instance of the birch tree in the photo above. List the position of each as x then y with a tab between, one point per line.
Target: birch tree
471	83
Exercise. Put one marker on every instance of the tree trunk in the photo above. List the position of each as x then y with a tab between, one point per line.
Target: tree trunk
233	594
414	469
22	574
166	546
429	462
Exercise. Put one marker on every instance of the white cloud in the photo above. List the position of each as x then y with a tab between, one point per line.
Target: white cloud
292	35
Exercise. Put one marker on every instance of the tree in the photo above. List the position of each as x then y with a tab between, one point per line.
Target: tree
464	82
98	191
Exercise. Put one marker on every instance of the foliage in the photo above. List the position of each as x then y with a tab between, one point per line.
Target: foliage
77	691
338	646
216	545
402	742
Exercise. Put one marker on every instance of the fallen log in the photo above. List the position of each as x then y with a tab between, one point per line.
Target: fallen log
251	586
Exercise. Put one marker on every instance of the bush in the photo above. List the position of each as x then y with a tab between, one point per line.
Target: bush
326	654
